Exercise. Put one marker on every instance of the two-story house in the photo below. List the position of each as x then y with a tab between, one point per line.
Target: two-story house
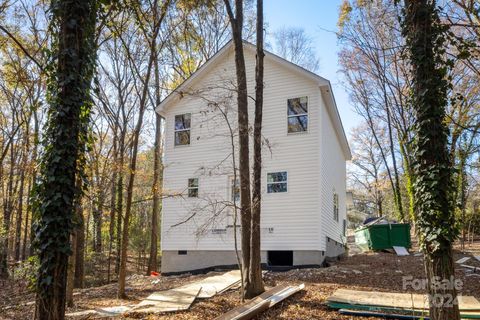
304	159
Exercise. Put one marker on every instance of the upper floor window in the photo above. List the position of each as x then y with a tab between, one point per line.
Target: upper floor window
182	129
335	206
277	182
297	115
235	190
193	188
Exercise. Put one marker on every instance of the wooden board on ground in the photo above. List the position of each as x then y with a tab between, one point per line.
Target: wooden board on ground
215	284
401	251
100	312
261	303
462	260
396	300
167	301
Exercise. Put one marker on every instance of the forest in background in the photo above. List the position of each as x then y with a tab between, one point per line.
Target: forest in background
377	76
130	80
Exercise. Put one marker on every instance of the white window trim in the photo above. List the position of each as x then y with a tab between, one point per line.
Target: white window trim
276	182
299	115
182	130
193	188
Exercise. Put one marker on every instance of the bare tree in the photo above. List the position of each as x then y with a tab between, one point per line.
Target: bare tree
294	45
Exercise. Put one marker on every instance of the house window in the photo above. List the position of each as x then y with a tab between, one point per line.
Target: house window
193	188
235	190
335	206
297	115
277	182
182	129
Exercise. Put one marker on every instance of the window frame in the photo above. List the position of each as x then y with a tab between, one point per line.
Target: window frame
277	182
175	130
231	186
336	205
299	115
189	188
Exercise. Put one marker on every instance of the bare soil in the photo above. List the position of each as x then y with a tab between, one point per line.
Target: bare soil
380	271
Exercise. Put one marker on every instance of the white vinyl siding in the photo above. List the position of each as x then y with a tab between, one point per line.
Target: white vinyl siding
290	220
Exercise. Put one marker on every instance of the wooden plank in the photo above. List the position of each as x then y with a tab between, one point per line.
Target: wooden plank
417	312
373	314
259	304
396	300
462	260
213	285
167	301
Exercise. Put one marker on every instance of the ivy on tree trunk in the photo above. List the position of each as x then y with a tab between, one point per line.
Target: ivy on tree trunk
435	221
70	72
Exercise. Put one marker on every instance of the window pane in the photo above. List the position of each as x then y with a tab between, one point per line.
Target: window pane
182	138
193	193
193	183
276	187
182	121
297	124
297	106
277	176
235	191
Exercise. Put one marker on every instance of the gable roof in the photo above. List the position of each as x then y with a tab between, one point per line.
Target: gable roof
324	85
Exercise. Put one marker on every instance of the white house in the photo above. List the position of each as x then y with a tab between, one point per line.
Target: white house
304	158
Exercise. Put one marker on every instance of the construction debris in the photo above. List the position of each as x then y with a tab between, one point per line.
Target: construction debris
353	302
261	303
174	299
167	301
462	260
217	284
380	315
474	269
401	251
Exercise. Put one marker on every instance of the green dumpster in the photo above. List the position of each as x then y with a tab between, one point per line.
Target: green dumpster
383	236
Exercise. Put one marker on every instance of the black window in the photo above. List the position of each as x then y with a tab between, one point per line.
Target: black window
277	182
235	189
182	129
193	188
297	115
335	206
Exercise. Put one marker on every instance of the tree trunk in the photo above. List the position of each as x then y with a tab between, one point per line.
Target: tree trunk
7	216
111	227
425	41
132	170
254	285
18	229
120	201
236	22
80	248
71	271
73	27
157	168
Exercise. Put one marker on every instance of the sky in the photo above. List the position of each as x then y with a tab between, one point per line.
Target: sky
316	17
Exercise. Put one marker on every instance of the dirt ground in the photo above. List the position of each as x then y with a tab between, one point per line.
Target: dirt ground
380	271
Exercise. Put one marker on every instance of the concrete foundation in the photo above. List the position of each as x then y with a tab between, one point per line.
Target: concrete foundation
334	249
198	261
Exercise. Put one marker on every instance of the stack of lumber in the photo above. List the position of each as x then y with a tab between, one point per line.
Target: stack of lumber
389	305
